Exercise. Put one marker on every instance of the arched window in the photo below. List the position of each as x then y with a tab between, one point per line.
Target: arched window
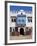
12	20
29	19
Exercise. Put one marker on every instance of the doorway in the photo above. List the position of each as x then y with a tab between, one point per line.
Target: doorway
21	31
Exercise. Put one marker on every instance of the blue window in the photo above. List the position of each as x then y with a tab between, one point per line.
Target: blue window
21	20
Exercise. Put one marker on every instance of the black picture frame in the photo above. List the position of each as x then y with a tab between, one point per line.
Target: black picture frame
6	22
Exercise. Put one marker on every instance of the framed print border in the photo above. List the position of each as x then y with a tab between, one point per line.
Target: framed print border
6	22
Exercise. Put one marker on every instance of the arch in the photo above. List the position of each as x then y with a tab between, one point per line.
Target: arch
21	31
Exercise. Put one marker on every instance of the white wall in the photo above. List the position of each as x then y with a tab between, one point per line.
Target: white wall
13	24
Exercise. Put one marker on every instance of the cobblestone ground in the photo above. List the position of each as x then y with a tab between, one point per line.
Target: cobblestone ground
20	37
